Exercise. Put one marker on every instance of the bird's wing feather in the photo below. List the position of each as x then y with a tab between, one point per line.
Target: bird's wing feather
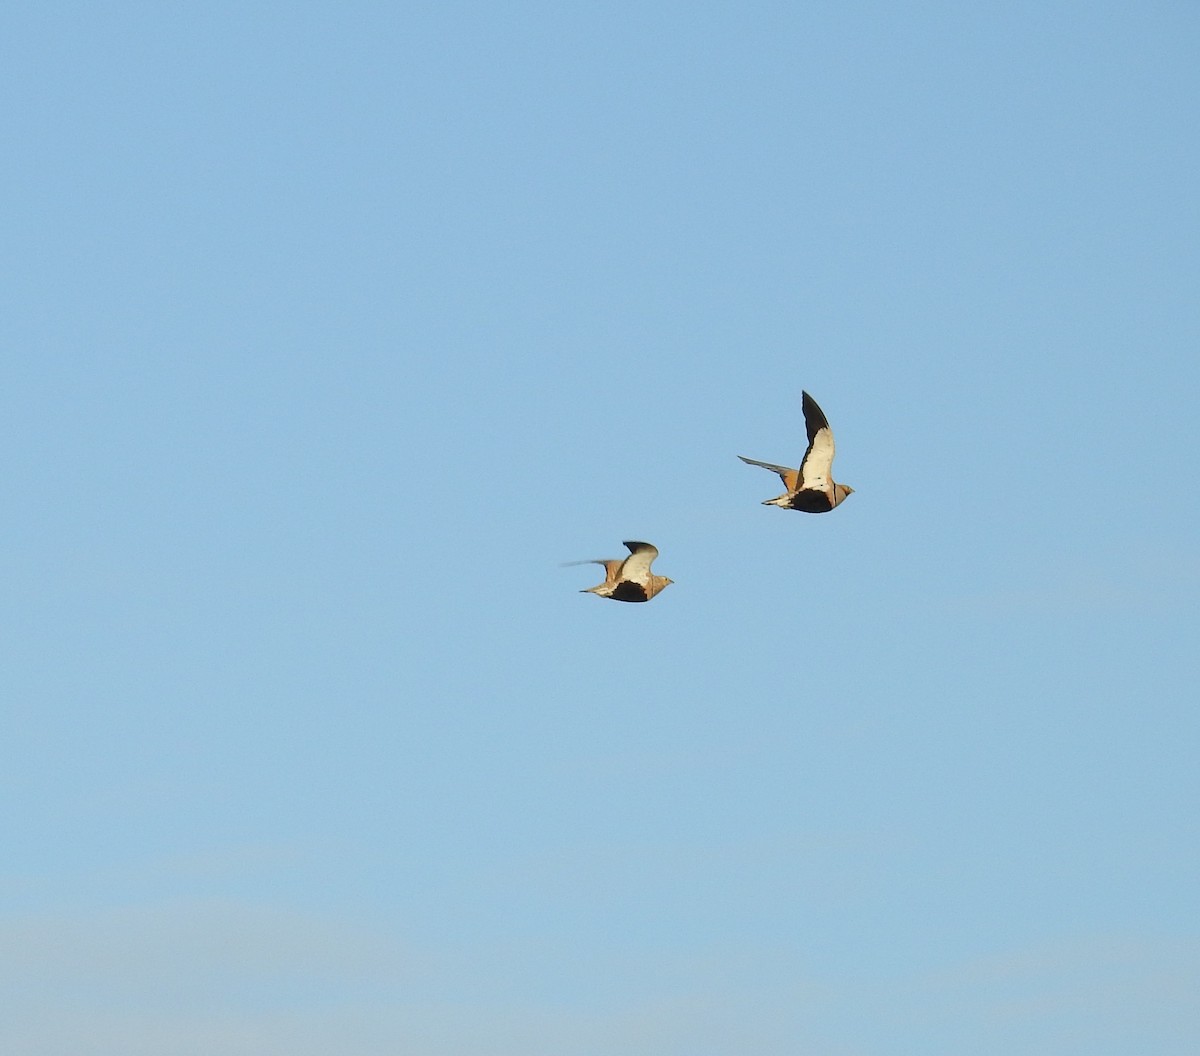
816	467
611	566
788	476
637	565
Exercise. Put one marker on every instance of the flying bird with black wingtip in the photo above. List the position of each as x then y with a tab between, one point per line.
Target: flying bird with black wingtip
811	488
630	578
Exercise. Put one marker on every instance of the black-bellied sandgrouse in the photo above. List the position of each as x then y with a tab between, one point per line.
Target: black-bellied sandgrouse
629	579
810	488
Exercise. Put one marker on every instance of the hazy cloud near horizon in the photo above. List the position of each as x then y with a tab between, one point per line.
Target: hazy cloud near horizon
192	978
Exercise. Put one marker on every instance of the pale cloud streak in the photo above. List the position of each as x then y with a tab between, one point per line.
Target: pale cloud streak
192	978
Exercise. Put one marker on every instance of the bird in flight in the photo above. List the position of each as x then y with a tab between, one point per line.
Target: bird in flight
629	579
811	488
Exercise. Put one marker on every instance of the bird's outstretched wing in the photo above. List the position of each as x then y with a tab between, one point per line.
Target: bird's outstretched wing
816	467
788	476
612	566
637	564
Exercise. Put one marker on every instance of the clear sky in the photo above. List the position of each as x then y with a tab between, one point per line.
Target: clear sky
330	331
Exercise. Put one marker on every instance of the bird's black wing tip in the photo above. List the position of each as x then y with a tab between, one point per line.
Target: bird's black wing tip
814	417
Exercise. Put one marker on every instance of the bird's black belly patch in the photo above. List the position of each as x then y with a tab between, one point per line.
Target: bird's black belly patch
809	501
629	592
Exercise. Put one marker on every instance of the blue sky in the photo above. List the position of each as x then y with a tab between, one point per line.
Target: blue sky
330	332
